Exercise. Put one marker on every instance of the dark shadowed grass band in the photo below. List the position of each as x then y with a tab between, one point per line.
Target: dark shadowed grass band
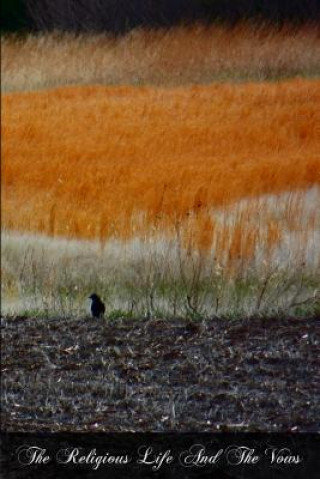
121	16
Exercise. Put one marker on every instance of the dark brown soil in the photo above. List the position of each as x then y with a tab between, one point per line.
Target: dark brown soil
160	375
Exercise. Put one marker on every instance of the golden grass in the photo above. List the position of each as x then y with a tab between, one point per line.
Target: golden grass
178	56
156	275
96	162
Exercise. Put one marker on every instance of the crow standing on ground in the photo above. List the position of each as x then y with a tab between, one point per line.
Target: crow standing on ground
97	306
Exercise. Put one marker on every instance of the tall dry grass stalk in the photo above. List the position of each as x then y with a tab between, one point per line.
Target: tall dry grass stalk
158	275
178	56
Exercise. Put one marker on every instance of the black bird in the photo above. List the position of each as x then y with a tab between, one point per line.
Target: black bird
97	306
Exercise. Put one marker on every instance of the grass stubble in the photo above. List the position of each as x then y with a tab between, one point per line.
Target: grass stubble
160	375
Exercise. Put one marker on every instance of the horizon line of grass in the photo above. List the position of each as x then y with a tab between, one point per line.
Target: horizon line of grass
156	57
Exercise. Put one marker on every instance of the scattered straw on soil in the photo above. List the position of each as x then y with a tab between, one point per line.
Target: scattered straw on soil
158	375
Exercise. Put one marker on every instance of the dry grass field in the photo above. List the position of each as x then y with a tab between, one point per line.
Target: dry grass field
205	179
79	375
161	171
246	52
188	183
86	162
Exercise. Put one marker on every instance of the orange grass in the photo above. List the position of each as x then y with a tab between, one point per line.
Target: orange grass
178	56
95	162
